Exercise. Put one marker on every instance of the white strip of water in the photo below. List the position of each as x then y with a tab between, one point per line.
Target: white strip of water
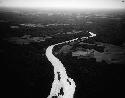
62	86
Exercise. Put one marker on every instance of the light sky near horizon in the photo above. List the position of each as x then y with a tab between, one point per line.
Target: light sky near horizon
64	3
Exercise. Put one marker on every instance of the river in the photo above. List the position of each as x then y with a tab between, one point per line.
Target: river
62	86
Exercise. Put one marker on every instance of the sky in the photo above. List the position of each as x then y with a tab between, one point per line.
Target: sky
64	3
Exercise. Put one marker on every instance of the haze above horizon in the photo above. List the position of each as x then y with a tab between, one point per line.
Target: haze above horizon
65	4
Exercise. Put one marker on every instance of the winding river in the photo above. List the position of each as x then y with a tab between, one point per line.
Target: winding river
62	86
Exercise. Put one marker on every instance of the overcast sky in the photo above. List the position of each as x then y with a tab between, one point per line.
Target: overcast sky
64	3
